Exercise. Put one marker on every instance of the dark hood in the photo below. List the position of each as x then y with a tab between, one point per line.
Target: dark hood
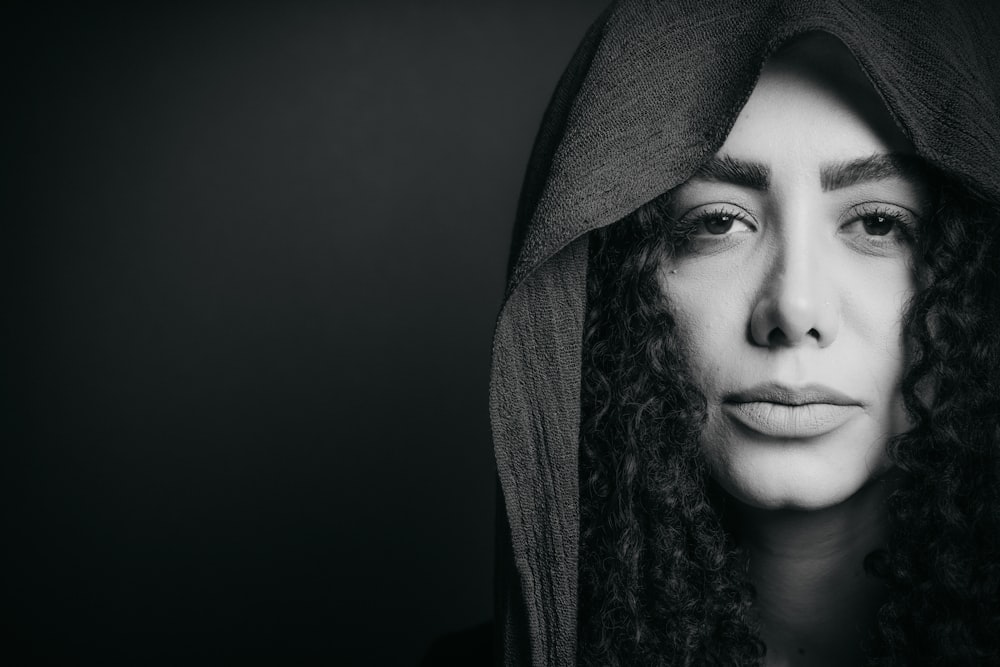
652	92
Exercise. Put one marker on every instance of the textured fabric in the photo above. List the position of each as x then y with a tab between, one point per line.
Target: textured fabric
652	92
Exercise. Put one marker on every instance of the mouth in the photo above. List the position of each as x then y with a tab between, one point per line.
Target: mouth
782	412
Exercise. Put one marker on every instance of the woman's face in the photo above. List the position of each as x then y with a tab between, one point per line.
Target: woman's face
791	287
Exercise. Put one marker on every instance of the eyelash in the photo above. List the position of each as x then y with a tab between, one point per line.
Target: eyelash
899	220
686	228
901	232
691	232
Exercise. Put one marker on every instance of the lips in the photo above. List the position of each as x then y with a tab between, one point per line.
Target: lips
778	411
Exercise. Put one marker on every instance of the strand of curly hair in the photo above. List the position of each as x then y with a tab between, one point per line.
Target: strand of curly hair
662	581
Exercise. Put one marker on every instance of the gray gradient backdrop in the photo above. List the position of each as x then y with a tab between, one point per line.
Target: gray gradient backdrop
253	256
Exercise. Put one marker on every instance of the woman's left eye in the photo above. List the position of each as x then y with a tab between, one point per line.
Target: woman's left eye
878	224
879	229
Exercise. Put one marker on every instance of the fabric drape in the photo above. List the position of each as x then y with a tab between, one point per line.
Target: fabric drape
651	93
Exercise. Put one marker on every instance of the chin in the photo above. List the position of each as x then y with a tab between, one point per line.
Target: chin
798	499
804	489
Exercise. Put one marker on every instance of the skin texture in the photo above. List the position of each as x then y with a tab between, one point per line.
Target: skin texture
800	284
798	292
816	604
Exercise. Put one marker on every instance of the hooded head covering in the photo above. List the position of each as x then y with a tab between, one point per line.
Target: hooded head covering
651	93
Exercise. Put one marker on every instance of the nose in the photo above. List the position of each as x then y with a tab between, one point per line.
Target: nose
797	304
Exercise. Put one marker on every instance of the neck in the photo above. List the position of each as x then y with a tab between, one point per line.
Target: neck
816	604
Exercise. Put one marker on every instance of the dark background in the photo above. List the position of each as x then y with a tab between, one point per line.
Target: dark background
253	254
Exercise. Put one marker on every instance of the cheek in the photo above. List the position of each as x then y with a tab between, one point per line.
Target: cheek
711	316
874	319
873	332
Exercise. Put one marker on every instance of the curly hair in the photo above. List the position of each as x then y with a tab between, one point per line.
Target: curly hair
663	581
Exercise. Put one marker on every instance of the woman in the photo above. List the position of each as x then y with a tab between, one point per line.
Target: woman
745	379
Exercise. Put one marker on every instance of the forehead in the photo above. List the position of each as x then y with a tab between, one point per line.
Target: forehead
813	101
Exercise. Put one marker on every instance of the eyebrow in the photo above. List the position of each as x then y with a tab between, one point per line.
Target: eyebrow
873	168
737	172
835	176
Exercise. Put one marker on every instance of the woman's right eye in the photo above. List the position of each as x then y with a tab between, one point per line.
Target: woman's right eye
721	223
715	221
